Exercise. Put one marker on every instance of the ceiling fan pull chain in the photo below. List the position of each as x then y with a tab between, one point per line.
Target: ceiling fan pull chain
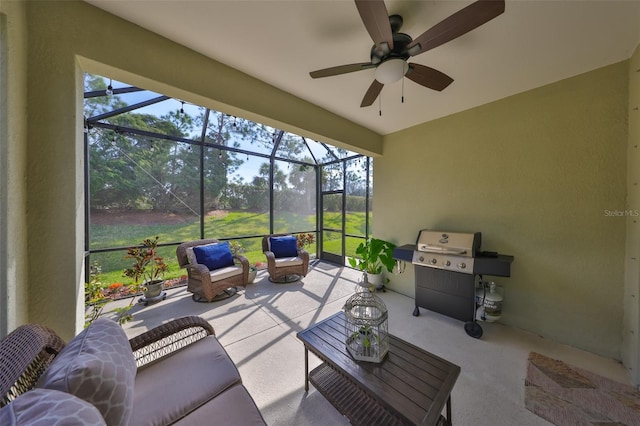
402	90
380	105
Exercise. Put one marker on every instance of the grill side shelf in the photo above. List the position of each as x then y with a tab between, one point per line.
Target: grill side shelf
404	252
499	266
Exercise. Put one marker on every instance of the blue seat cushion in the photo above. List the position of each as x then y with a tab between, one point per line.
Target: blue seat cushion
214	256
284	246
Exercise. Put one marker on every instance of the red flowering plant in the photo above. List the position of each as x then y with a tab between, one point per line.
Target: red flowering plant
304	240
147	265
113	288
257	265
147	268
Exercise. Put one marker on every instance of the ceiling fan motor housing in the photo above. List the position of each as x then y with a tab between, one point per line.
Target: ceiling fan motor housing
400	42
396	23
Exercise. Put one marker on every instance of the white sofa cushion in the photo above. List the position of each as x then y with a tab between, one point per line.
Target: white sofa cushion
288	261
224	273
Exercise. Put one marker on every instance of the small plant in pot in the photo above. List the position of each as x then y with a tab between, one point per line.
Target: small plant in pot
147	269
365	338
304	240
375	256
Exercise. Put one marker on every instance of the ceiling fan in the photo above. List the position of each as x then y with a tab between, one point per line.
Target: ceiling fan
392	48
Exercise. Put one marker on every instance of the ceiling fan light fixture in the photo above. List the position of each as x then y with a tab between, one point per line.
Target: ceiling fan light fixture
391	70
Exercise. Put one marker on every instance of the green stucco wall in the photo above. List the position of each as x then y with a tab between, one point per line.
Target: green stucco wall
631	329
536	173
13	155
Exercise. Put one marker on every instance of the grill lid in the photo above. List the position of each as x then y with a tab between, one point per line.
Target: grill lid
451	243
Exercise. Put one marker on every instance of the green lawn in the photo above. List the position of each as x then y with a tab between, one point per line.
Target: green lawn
227	226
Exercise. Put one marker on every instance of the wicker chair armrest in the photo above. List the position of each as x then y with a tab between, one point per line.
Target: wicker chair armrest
244	262
303	254
25	354
199	272
165	339
271	263
271	257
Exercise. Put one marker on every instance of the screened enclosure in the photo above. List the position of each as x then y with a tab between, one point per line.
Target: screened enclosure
158	166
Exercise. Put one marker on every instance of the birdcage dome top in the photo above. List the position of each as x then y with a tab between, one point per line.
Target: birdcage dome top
366	306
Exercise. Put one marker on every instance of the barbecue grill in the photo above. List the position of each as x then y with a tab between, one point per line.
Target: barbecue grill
446	267
446	250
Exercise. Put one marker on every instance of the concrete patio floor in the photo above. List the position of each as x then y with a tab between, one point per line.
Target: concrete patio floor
258	329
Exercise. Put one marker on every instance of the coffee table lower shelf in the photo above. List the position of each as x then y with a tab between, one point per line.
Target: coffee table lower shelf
351	401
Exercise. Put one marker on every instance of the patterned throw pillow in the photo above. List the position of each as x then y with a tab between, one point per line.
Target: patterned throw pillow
98	366
47	407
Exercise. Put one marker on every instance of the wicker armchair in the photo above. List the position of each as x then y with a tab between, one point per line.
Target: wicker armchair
283	269
213	285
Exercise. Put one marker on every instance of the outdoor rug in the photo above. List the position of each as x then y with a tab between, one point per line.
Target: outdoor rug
568	395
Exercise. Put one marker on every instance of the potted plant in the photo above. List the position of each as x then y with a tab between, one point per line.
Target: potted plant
147	269
94	298
364	339
304	240
375	255
253	271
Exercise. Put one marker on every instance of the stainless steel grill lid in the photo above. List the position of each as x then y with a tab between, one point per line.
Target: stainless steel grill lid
447	250
457	243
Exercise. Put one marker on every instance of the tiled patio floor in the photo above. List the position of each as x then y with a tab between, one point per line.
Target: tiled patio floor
258	328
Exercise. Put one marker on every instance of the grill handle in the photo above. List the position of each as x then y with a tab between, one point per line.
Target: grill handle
435	248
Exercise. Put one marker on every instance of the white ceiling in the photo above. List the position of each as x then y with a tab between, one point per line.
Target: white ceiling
533	43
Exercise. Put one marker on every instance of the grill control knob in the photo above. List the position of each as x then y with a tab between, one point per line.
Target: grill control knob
434	261
447	263
461	265
421	259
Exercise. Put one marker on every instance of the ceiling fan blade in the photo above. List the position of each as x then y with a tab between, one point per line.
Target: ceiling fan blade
375	18
428	77
341	69
461	22
372	93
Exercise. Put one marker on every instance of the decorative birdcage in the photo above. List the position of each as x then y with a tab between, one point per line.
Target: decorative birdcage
366	325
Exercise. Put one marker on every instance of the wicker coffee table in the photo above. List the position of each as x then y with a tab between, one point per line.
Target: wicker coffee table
411	386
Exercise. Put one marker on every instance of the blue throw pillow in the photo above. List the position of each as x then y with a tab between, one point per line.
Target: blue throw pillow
215	256
284	246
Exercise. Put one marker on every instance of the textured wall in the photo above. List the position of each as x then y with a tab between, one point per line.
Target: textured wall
534	173
631	335
13	154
